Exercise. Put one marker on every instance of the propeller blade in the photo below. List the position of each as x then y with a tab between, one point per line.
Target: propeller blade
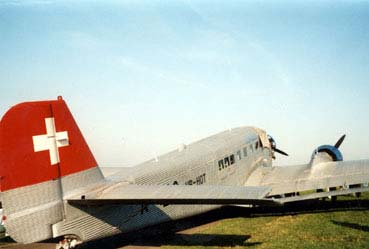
339	142
280	152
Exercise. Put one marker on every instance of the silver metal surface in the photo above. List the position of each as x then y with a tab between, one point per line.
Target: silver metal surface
232	167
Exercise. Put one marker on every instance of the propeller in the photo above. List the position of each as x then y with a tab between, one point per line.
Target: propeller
273	146
339	142
280	151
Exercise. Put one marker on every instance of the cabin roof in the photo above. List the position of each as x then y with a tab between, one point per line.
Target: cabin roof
199	152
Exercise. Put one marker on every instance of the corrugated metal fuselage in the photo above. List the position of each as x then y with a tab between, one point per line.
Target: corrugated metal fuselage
198	163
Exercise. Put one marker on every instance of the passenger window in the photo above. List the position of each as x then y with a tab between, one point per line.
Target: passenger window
231	159
245	151
226	162
239	157
221	164
256	145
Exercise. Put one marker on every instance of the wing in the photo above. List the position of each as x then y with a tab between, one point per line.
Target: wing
335	176
174	194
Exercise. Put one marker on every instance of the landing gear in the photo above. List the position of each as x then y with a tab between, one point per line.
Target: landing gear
320	190
357	194
333	198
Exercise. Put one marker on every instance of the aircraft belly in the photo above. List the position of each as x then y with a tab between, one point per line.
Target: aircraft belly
98	222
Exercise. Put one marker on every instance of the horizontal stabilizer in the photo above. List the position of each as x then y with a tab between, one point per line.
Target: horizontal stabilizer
175	194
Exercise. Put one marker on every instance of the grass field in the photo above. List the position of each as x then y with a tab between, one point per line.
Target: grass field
341	229
328	225
341	224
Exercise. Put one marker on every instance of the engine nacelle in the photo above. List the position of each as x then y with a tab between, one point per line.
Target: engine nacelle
326	153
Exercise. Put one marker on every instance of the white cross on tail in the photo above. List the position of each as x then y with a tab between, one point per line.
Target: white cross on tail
51	141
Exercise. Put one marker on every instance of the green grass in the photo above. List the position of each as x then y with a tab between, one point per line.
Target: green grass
332	229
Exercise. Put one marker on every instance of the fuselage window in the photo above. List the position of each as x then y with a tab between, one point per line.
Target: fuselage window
231	159
257	145
239	157
245	151
221	164
226	162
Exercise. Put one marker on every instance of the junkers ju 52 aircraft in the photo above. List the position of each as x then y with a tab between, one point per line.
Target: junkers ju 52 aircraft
51	185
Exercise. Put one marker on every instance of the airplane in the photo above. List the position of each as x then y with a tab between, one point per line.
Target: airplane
52	187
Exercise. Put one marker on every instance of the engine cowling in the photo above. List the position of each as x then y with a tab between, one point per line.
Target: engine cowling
326	153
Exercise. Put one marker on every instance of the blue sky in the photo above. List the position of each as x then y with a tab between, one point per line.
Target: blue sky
142	77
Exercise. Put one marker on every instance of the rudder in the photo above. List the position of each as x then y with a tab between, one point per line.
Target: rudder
43	157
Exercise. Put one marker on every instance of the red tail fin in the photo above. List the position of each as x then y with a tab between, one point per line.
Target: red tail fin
37	136
39	143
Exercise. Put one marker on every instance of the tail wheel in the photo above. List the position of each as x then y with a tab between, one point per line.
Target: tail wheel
68	243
